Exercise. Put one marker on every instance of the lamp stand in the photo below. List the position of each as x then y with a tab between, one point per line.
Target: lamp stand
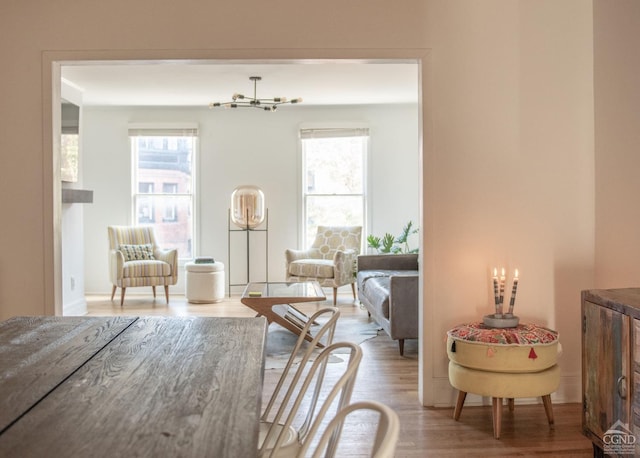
248	231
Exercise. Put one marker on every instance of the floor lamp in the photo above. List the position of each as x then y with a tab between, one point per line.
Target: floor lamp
247	212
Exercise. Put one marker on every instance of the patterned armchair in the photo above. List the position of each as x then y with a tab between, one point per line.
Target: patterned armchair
136	260
331	260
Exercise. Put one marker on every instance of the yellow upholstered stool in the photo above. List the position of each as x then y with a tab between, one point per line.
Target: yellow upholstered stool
506	363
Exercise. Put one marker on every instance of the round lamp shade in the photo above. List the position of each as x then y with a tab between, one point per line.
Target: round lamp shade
247	206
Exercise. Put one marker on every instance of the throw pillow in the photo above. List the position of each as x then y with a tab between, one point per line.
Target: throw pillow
137	252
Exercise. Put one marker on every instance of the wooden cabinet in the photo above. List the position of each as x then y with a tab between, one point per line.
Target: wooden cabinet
611	370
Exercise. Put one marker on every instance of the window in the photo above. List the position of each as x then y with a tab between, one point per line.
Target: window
145	204
69	141
333	178
163	180
170	211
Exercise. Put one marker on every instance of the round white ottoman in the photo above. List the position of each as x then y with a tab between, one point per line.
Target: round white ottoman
509	363
204	282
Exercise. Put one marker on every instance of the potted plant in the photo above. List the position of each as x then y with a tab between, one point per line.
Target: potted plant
395	245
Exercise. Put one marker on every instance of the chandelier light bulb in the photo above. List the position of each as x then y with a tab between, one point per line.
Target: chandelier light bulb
242	101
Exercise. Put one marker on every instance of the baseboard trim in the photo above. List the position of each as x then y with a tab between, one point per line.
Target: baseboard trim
75	308
569	391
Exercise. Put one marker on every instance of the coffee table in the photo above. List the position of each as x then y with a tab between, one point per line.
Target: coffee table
274	302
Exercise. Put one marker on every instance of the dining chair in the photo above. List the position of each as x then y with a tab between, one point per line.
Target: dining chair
385	440
286	433
326	318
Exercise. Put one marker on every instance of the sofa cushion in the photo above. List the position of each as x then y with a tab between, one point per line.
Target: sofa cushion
524	348
377	291
148	268
374	284
317	268
137	252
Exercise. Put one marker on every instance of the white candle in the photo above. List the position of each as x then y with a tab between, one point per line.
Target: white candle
495	290
512	302
502	279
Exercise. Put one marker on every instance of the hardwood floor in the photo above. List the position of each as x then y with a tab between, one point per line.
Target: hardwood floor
387	377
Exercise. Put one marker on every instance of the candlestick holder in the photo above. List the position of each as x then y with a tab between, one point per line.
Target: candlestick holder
499	319
504	320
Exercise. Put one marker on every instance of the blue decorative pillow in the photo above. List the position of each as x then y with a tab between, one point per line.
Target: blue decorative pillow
137	252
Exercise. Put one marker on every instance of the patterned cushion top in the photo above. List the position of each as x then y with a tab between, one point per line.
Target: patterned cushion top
137	252
523	334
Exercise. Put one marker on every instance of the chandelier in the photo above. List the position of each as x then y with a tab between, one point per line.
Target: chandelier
242	101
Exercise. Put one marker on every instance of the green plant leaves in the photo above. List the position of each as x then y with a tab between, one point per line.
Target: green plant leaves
390	244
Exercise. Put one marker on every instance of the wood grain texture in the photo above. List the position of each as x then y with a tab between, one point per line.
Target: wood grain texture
609	360
165	387
390	378
33	363
605	354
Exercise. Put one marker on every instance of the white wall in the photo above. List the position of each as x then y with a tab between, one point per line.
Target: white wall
510	182
73	298
244	147
617	141
508	123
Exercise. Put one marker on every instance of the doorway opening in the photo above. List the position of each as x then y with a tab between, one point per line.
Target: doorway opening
58	61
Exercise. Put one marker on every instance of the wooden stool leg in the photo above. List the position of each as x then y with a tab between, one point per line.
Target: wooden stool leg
458	410
511	405
497	417
546	400
154	291
113	291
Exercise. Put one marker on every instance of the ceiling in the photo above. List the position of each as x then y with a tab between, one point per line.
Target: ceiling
197	83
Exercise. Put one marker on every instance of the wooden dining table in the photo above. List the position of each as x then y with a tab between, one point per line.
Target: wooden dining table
131	386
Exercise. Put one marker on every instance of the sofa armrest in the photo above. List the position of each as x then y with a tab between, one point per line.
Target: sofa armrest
388	262
116	265
170	257
403	306
293	255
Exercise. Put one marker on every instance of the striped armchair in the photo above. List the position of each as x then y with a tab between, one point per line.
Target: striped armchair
331	260
136	260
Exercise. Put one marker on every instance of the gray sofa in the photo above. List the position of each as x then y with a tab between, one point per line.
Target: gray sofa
388	289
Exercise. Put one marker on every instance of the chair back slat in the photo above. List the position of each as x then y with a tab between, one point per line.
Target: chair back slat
289	411
386	437
300	355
